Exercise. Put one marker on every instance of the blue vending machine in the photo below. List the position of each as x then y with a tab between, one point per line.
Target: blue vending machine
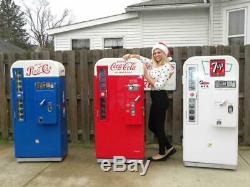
38	109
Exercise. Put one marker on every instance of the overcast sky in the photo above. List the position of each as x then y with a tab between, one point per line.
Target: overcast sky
83	10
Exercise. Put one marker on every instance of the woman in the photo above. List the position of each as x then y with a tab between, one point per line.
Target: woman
157	72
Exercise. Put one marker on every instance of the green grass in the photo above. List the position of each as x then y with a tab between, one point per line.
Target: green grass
5	141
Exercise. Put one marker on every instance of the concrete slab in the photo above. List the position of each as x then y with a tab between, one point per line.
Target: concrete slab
81	169
16	174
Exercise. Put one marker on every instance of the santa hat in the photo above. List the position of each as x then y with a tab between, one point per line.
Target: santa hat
162	46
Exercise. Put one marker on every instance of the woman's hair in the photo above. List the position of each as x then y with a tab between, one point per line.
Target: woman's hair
163	61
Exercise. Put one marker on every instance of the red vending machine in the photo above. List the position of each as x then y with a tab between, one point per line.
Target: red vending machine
119	109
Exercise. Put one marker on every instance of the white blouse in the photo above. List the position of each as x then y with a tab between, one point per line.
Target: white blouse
160	74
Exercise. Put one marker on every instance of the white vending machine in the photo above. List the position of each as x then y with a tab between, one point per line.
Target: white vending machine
210	111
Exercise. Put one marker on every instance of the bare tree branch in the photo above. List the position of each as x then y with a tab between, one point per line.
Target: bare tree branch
40	18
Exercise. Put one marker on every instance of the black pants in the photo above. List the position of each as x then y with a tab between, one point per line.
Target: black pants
157	117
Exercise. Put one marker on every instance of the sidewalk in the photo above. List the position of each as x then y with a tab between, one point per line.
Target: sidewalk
80	169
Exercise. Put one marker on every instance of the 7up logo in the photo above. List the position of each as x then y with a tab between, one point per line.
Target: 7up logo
217	68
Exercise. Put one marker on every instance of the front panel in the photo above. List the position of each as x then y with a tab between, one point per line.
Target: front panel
133	95
210	108
46	103
119	112
38	104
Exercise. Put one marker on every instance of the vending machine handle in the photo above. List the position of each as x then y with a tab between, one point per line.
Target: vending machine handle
42	102
137	98
220	103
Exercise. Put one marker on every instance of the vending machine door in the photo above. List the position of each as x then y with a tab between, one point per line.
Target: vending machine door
119	109
210	112
45	102
225	105
134	108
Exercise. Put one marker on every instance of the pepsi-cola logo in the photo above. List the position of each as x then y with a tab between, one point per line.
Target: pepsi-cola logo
38	69
123	66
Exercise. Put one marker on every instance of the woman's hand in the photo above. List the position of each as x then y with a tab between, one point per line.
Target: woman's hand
150	80
126	57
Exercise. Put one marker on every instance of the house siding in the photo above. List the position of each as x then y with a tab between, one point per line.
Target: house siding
219	35
176	27
128	29
217	31
61	43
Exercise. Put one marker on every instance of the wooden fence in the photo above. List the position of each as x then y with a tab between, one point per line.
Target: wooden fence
79	89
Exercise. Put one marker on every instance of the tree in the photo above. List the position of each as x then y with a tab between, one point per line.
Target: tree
12	22
40	18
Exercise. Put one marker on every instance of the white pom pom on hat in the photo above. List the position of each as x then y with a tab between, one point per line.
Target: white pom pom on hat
162	46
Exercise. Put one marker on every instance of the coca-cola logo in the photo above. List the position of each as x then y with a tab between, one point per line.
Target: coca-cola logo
123	66
38	69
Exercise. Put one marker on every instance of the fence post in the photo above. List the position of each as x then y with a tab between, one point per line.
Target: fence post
247	96
235	52
3	100
59	56
84	94
45	55
220	50
177	98
72	109
191	51
146	52
11	60
34	55
205	51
